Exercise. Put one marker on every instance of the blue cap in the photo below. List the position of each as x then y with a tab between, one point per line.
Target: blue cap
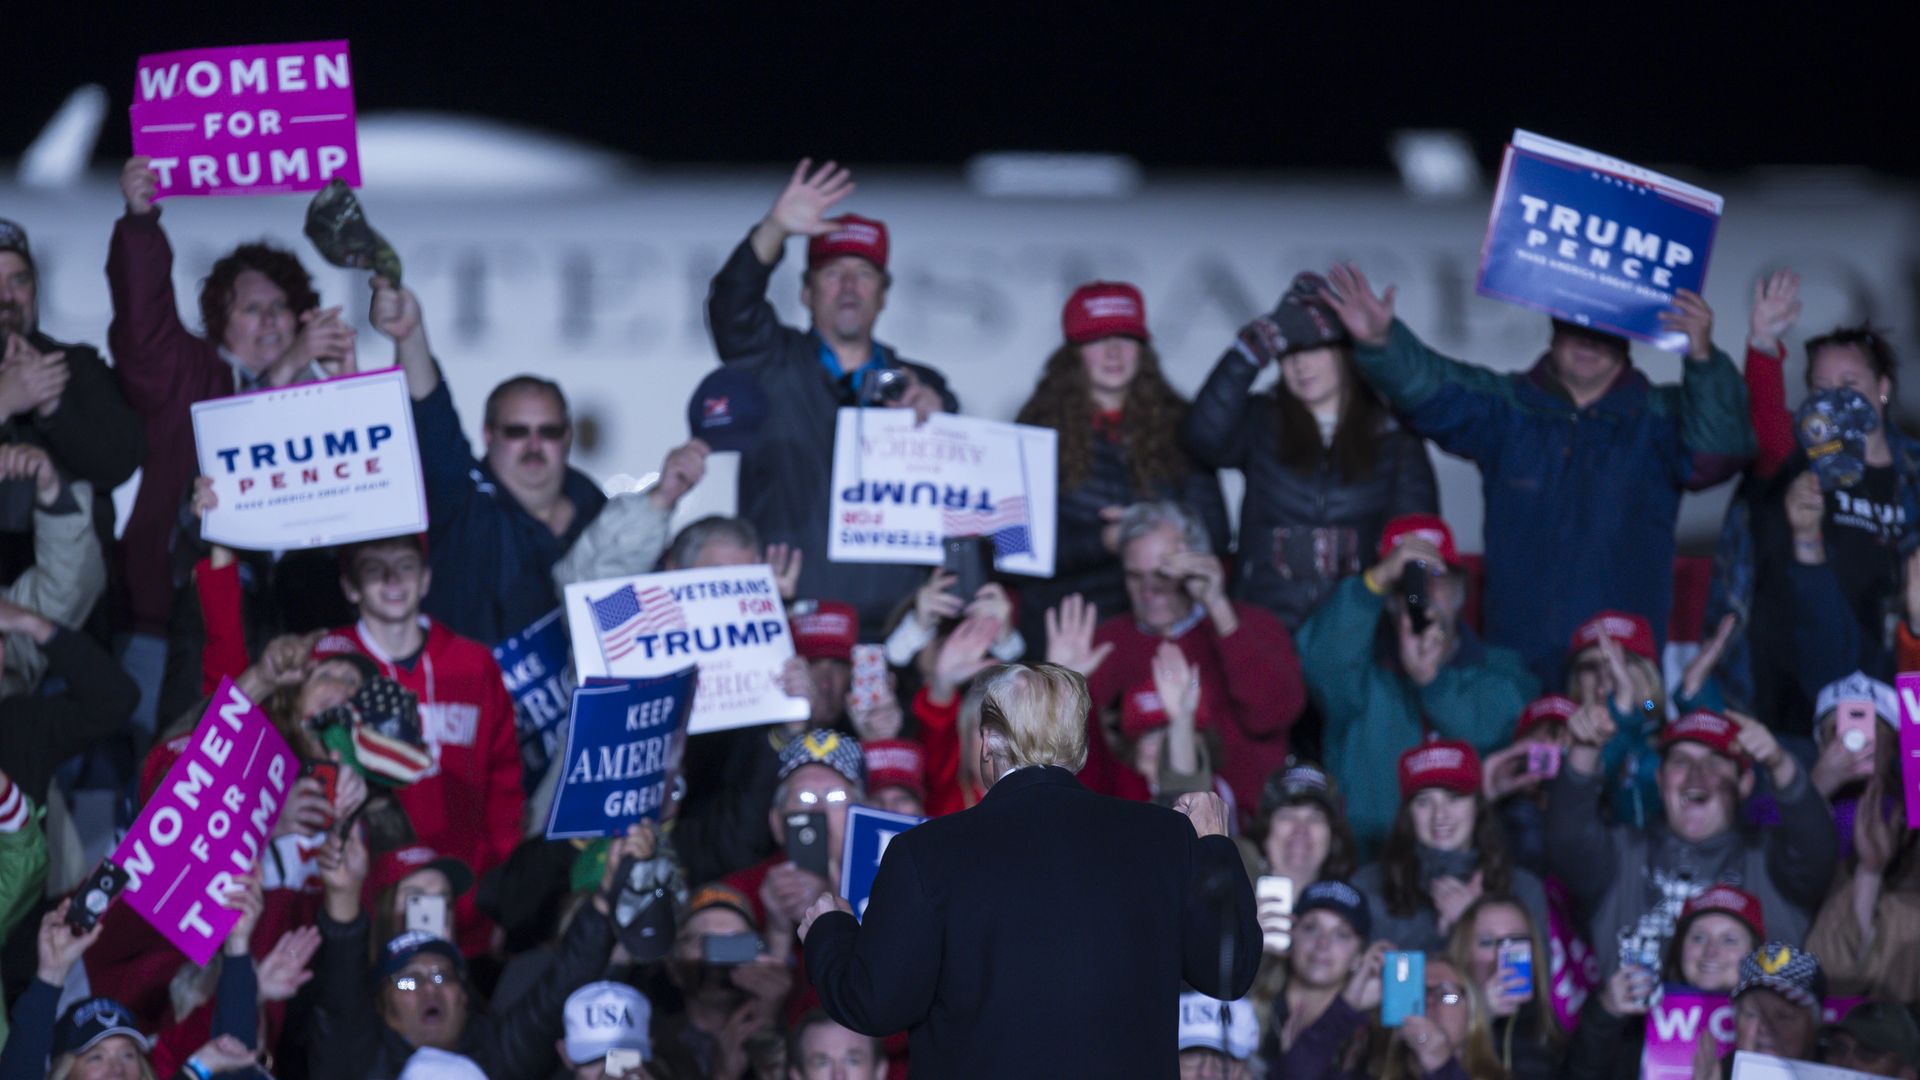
92	1020
727	409
401	950
1340	898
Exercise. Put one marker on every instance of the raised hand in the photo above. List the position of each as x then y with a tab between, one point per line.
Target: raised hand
684	467
1626	991
1070	630
933	602
283	971
963	655
1452	897
1875	837
1362	991
137	184
1806	512
60	946
395	311
1758	743
31	379
1776	306
801	209
1178	685
343	869
1700	668
785	560
1367	317
246	897
992	602
1692	317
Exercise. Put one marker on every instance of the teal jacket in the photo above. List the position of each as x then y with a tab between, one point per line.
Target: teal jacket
1580	502
1373	713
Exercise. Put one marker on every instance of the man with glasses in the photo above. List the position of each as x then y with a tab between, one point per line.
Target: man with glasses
423	997
497	524
1876	1037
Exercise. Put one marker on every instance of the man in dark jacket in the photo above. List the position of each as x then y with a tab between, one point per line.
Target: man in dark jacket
364	1028
1047	931
39	732
1582	460
785	476
495	526
58	396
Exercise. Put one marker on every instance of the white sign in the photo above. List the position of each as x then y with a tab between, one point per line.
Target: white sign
899	489
1751	1066
729	620
312	465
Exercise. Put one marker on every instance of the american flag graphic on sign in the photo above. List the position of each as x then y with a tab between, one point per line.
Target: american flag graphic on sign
622	617
1005	524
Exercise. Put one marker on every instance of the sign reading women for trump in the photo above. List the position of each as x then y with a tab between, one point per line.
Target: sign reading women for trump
1594	240
312	465
728	620
247	120
623	747
900	489
206	824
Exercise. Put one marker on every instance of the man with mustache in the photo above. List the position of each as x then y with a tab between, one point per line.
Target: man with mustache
59	397
497	524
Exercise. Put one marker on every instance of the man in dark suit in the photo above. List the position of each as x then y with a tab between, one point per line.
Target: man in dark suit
1047	931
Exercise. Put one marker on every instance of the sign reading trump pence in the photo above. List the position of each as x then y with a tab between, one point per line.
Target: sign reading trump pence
247	120
1595	240
727	620
312	465
901	489
206	824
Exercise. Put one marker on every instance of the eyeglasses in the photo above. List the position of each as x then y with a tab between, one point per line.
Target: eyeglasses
808	798
547	432
1445	993
409	983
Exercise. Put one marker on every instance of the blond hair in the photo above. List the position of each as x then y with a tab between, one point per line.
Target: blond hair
1035	714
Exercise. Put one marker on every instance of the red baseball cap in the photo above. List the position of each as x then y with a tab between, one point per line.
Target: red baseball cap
1541	710
851	235
825	630
1633	632
1104	309
1141	712
1725	900
1445	763
392	867
1709	729
896	763
1427	527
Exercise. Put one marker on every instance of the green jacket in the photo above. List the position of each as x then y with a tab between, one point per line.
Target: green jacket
23	873
1373	713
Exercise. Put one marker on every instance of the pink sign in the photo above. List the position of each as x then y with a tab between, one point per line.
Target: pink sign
1909	685
247	120
206	823
1674	1024
1574	970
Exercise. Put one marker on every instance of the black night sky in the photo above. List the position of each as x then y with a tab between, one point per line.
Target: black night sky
1217	86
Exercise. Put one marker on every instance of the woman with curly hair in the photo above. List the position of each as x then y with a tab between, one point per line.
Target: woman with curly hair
1327	466
262	326
1119	423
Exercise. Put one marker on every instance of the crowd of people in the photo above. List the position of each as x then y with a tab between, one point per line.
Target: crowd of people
1570	838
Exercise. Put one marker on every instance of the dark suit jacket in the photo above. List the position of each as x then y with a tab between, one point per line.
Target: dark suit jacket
1045	932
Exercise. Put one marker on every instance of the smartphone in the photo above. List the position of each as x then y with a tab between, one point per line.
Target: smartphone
1403	987
726	949
1414	587
1643	953
970	560
428	914
621	1061
1274	895
869	687
94	896
1853	725
807	841
1543	760
1516	965
328	773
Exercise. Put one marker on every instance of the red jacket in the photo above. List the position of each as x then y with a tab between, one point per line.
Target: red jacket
1250	684
940	741
469	804
163	369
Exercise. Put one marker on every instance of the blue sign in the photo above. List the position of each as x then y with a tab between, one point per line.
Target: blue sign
540	681
1594	240
868	833
624	742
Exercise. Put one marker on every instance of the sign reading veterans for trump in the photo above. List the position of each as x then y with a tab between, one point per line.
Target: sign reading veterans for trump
534	664
623	746
728	620
247	120
900	489
1595	240
312	465
869	831
206	823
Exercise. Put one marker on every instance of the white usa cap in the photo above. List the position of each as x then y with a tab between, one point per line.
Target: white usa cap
430	1064
603	1016
1200	1025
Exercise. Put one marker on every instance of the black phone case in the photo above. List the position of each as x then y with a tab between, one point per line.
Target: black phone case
970	560
807	841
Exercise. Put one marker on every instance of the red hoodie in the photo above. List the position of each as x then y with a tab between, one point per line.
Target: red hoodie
469	804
